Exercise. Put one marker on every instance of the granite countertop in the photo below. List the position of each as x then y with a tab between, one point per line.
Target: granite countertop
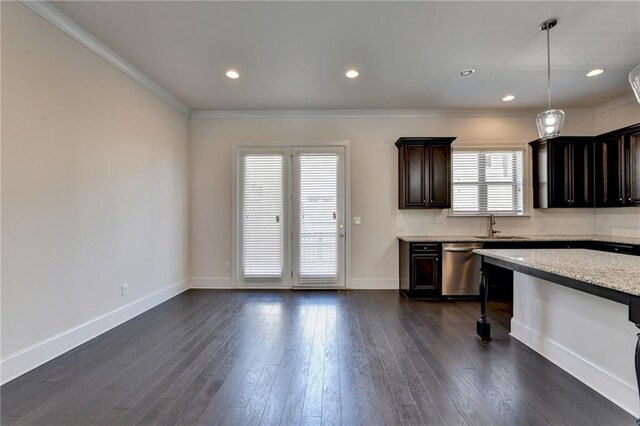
619	272
466	238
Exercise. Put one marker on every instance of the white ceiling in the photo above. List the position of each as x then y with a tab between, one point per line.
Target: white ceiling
293	55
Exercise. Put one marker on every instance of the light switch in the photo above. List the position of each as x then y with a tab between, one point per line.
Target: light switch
357	220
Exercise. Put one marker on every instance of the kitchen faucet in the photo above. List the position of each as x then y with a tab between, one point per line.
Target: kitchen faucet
492	222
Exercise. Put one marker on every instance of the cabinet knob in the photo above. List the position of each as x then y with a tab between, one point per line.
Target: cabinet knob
620	199
424	201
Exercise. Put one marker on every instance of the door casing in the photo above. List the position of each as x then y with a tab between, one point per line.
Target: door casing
237	280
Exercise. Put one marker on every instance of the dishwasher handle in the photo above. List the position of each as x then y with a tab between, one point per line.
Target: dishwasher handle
460	249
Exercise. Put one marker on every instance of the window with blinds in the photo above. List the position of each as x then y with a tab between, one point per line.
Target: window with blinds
318	221
487	181
262	220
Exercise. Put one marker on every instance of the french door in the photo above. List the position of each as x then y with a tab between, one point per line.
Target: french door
292	217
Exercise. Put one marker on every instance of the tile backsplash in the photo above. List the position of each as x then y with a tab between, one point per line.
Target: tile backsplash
540	222
612	222
618	222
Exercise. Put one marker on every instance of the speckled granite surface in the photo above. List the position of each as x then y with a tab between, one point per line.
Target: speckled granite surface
611	270
465	238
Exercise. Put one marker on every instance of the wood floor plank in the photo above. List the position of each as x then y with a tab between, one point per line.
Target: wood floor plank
381	393
292	411
291	358
143	396
211	404
331	406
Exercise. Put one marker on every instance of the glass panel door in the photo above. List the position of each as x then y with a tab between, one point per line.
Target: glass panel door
318	217
263	219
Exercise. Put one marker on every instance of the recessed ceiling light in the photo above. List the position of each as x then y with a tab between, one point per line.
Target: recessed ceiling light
508	98
595	72
467	72
232	74
352	73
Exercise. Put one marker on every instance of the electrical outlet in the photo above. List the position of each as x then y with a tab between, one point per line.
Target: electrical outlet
227	266
124	289
357	220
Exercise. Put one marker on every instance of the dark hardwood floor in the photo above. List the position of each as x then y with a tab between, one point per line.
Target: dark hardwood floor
268	357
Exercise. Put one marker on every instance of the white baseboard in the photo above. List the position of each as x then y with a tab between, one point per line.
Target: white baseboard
356	283
611	387
37	354
374	284
210	282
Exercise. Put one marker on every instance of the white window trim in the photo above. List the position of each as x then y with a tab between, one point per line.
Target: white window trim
527	189
236	274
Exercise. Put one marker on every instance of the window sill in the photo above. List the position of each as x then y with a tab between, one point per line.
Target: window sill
486	215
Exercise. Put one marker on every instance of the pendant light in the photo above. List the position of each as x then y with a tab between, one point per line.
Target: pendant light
550	121
634	81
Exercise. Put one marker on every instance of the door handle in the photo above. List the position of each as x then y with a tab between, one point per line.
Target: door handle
459	250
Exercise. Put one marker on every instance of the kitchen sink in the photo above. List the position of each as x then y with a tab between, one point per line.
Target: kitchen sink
502	237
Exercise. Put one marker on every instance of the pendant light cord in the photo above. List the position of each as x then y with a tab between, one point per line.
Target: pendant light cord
548	70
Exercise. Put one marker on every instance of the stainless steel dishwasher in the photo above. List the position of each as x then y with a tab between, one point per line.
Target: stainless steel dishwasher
460	269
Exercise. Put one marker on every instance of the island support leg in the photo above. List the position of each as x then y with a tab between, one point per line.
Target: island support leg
483	327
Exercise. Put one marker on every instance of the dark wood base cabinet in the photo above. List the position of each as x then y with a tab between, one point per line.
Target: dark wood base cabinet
420	270
421	265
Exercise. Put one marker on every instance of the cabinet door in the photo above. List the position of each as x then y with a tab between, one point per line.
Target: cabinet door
425	272
632	170
582	191
539	160
610	173
560	174
439	162
415	185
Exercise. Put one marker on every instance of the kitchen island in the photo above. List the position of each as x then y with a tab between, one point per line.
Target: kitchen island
578	308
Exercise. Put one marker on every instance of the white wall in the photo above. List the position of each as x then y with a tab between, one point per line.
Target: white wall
94	190
624	221
373	182
586	335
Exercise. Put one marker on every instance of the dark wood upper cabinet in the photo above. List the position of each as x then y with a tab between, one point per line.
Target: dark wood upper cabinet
633	168
424	172
617	168
563	172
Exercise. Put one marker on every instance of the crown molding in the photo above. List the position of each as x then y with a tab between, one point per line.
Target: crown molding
614	104
375	113
54	16
50	13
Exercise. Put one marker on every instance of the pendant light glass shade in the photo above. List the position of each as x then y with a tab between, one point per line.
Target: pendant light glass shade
634	81
550	123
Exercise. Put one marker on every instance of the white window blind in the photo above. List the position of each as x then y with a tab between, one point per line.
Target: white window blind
487	181
318	217
262	221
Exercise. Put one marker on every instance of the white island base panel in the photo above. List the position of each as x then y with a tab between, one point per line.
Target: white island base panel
589	337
